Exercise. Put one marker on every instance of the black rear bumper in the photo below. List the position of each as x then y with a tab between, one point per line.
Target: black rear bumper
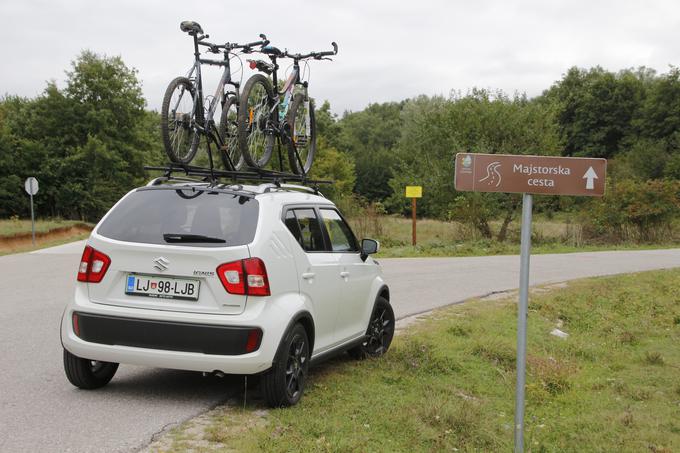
166	335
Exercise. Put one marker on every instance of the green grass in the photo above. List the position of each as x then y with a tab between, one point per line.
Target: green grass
438	238
43	244
13	227
15	234
448	382
485	248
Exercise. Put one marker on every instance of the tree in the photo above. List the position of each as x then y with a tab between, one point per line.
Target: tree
331	164
86	144
369	137
596	109
660	114
435	129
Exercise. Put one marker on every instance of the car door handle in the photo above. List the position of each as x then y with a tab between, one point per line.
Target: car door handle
308	275
344	274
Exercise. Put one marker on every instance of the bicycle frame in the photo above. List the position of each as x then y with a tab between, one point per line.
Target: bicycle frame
220	94
206	124
280	109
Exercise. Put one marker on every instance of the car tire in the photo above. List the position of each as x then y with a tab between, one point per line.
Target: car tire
284	383
88	374
379	333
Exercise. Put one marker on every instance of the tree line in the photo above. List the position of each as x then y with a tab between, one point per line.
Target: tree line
631	117
87	143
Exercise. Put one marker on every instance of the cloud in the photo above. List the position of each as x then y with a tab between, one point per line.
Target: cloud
389	50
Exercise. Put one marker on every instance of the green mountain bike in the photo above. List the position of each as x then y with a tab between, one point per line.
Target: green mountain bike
265	115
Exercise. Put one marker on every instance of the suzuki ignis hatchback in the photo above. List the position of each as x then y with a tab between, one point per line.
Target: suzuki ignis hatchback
231	279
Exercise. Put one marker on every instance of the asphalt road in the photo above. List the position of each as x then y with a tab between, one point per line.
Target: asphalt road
41	411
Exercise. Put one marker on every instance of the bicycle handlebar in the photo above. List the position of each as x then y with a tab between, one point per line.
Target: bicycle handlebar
315	55
215	48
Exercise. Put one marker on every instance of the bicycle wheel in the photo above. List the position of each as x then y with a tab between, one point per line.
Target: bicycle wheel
179	137
255	133
302	141
228	130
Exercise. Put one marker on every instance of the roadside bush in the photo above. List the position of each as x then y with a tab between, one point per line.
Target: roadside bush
366	218
648	207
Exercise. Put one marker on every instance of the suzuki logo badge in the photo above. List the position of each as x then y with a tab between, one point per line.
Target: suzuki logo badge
162	263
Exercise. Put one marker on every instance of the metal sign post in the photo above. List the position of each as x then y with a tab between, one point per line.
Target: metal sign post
528	175
413	192
31	187
525	254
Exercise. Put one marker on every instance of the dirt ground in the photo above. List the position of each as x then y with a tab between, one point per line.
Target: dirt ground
22	242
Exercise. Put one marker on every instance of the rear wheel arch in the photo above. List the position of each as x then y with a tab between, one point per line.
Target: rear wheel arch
304	318
384	292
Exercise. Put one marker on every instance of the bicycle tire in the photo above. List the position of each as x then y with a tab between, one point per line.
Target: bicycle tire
255	139
302	140
185	138
228	131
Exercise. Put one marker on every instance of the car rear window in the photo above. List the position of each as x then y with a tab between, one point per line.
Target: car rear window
184	216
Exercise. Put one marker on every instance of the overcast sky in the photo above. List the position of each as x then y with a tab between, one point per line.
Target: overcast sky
389	50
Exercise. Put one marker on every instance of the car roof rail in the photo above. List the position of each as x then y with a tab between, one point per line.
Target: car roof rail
270	187
165	179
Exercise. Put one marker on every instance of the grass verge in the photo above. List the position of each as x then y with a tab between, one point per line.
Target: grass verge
16	227
487	248
15	235
439	238
448	382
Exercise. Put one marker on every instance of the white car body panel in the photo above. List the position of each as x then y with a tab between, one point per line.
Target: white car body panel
338	298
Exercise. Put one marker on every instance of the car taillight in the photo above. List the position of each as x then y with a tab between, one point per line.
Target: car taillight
246	277
93	265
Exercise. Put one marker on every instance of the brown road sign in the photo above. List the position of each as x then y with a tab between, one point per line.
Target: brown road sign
530	174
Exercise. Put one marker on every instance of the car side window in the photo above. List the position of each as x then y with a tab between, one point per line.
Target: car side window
293	227
339	233
304	226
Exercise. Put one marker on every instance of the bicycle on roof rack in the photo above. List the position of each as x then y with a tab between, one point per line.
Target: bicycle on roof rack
266	116
185	117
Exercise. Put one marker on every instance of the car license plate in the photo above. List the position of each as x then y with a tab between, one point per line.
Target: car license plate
162	287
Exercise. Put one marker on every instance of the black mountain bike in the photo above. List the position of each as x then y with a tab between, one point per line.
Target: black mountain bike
266	115
186	116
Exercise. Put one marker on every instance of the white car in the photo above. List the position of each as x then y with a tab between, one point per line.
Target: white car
228	279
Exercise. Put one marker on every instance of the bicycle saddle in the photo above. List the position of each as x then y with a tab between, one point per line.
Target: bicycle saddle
271	50
191	27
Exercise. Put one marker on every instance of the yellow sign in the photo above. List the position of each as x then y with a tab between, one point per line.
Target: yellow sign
414	192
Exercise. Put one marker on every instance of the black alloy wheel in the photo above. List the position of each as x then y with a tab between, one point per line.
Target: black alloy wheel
284	383
379	333
296	367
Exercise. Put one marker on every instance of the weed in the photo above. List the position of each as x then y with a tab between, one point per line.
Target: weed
627	419
420	356
654	358
640	394
458	331
457	420
497	352
553	375
628	338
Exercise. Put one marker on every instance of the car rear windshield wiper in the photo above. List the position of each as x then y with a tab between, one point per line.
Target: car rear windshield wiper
182	237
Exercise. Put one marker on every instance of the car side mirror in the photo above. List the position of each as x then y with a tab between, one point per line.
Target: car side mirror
369	247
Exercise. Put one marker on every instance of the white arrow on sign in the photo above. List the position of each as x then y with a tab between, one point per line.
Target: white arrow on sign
590	178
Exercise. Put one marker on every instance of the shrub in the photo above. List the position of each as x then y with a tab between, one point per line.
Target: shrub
648	207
